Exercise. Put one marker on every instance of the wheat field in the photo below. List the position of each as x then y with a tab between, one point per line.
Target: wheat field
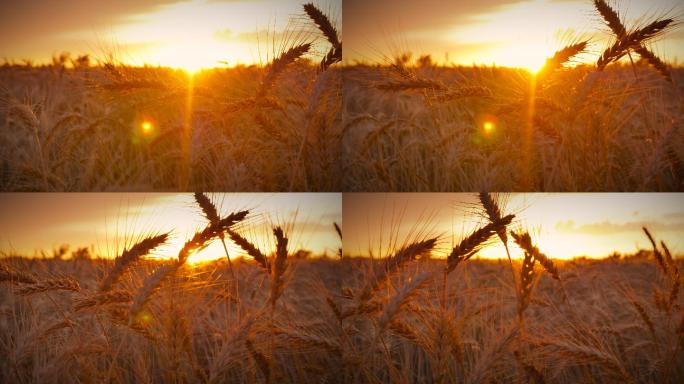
79	125
344	287
584	122
427	312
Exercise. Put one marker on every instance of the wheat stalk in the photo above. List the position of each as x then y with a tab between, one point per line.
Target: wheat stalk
260	359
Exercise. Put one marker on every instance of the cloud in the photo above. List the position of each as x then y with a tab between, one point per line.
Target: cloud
675	216
417	14
43	17
263	36
225	35
610	228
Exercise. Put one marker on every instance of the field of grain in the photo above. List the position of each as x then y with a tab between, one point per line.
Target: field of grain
602	125
77	126
590	132
427	312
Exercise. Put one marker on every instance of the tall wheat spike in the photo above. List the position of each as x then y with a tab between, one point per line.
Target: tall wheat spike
495	216
562	56
613	21
656	252
251	250
472	243
526	283
211	213
279	265
400	257
632	40
199	241
324	24
279	65
207	207
524	241
130	256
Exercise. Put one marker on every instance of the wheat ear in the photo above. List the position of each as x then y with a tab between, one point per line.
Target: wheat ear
130	256
324	24
472	243
279	265
524	241
612	19
278	66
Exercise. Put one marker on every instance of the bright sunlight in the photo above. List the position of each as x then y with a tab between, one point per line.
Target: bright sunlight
190	35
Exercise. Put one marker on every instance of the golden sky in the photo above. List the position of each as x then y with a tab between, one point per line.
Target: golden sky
564	225
109	221
516	33
188	34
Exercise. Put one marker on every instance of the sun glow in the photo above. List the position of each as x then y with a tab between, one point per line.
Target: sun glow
110	222
146	127
535	67
505	37
199	34
562	225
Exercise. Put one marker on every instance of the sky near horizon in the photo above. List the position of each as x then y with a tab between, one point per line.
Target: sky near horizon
190	34
107	222
516	33
564	225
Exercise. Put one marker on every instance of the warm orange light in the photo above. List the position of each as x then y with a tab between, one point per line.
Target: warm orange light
488	126
146	126
534	67
144	317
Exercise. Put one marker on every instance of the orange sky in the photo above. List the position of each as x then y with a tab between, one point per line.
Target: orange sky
520	33
563	224
189	34
109	221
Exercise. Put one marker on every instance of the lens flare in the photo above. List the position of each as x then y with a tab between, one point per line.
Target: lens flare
488	126
146	126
